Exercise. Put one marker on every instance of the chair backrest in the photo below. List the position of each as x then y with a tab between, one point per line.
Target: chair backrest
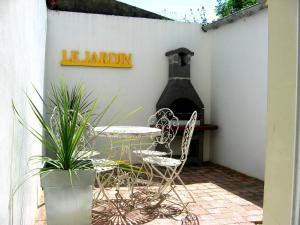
165	120
187	136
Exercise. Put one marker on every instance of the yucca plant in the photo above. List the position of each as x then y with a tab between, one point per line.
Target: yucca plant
71	123
73	109
75	99
71	114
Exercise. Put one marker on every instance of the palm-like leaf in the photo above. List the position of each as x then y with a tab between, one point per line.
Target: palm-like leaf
63	142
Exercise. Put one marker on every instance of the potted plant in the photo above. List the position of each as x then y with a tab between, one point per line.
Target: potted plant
68	176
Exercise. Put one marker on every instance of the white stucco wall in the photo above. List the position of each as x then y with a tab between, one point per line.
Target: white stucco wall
239	56
229	72
146	39
22	53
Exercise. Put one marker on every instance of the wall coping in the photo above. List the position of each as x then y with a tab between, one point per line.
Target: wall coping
249	11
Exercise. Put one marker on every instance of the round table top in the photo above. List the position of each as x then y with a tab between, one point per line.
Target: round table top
128	131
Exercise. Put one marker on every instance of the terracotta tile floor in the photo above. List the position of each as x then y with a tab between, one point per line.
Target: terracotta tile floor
222	196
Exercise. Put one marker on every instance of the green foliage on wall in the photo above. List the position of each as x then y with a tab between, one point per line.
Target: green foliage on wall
227	7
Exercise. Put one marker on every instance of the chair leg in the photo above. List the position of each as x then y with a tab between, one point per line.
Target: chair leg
170	184
164	179
101	187
169	177
151	174
184	206
182	183
146	170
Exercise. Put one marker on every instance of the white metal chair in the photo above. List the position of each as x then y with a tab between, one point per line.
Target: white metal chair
165	120
172	166
104	165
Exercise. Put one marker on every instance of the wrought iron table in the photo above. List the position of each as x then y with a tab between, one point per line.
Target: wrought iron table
129	134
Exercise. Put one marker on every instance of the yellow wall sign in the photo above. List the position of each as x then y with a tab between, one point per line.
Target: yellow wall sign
96	59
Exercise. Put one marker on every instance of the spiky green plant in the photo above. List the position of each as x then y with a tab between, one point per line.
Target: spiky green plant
70	128
70	97
73	108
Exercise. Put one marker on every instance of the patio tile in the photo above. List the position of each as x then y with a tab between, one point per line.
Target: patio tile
222	196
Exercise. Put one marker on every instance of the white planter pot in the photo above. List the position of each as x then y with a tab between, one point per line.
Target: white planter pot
68	200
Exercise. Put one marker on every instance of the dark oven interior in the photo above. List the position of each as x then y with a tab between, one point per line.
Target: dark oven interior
183	108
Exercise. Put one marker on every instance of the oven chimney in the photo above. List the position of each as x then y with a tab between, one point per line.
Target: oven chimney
179	63
179	94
